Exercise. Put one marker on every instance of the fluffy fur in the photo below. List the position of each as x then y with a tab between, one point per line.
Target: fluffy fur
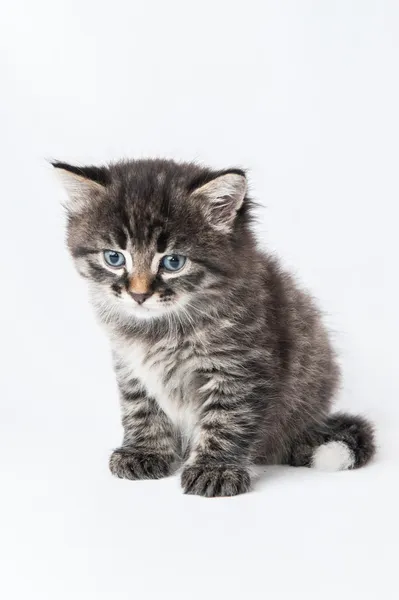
222	364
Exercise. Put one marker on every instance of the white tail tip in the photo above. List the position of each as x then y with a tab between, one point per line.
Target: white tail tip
333	456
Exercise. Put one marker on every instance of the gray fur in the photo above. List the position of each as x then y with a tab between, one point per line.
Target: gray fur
226	364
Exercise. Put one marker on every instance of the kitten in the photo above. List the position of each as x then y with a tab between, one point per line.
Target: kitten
221	361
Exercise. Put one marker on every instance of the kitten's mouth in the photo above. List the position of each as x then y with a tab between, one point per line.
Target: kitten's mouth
159	305
153	307
145	310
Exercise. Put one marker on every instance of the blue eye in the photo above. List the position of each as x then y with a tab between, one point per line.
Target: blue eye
114	259
173	262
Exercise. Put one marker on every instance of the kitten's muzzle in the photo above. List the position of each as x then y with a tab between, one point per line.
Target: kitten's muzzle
140	298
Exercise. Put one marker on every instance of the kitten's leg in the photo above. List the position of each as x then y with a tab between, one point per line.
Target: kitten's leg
342	442
218	464
149	444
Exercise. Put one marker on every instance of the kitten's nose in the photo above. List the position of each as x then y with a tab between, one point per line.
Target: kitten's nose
140	298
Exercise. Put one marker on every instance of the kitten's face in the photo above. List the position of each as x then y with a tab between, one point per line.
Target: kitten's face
154	238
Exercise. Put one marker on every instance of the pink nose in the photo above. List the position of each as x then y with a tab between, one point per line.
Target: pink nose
140	298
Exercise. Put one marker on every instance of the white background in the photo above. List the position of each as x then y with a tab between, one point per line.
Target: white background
305	95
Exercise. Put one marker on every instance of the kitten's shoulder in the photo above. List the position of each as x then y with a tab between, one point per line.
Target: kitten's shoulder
282	286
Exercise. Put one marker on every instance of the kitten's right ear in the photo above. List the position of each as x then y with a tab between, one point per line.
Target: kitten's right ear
81	183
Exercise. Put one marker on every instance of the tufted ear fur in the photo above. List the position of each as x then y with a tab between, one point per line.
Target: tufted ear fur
221	198
81	183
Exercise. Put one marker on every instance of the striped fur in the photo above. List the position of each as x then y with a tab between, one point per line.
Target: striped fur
227	363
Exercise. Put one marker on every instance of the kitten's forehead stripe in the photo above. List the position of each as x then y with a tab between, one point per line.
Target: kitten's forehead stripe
162	241
121	238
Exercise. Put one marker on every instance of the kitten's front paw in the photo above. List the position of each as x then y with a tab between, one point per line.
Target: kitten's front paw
211	481
130	464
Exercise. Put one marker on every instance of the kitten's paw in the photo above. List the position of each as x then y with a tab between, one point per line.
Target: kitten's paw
211	481
131	464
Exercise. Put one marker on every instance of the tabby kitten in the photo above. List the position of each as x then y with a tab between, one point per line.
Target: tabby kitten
221	361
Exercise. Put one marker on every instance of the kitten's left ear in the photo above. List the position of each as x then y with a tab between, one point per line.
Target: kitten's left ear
81	183
223	196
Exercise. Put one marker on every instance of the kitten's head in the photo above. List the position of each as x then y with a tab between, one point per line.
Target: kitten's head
156	237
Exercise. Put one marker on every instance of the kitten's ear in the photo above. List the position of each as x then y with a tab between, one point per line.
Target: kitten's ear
81	183
223	197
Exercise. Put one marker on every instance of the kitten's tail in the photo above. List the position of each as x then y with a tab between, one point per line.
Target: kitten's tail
342	442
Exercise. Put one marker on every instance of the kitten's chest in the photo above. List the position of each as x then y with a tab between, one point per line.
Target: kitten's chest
167	375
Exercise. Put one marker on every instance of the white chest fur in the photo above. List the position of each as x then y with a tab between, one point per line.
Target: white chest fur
165	377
